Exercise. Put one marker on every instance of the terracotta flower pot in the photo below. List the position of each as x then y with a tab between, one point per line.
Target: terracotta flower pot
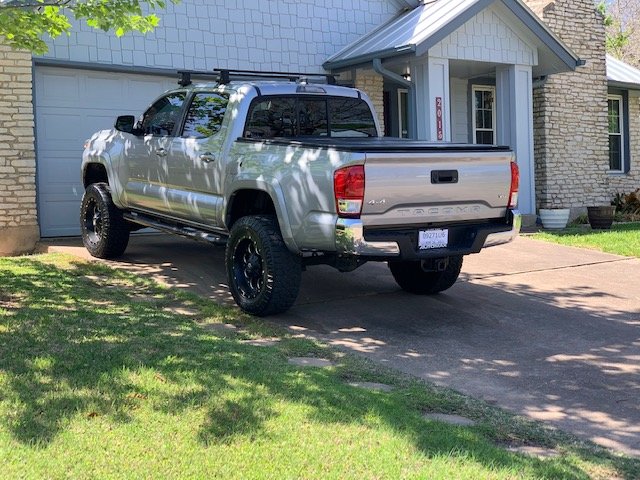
601	218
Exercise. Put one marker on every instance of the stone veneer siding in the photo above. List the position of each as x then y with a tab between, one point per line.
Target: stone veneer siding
570	112
372	84
19	230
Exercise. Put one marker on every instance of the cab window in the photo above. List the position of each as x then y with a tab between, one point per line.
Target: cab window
161	117
351	117
301	116
205	115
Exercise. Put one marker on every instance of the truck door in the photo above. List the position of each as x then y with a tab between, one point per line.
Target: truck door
149	171
196	193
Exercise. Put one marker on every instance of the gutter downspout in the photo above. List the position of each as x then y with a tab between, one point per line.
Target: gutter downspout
410	86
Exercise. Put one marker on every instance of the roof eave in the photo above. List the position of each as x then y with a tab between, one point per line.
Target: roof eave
368	57
623	85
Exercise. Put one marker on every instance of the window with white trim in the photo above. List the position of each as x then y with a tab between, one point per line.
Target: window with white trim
615	117
484	114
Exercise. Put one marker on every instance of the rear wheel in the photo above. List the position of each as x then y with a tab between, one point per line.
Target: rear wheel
414	279
264	276
105	233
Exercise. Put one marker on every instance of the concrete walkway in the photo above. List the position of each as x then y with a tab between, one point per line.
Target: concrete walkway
547	331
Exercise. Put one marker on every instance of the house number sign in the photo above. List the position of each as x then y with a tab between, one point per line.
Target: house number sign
439	118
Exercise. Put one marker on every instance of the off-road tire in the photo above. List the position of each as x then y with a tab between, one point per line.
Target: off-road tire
105	233
413	279
264	276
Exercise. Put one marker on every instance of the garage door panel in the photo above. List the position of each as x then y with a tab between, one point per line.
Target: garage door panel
56	88
71	105
60	217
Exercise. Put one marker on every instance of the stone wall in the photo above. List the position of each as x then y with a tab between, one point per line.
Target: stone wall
373	85
570	112
19	230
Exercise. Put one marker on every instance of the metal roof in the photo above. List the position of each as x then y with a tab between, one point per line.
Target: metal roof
622	74
417	30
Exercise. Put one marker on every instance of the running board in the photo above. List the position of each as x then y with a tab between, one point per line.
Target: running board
182	230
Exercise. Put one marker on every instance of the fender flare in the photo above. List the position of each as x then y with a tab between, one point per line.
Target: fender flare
271	187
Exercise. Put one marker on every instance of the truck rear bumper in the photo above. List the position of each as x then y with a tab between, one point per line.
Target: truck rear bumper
500	238
352	239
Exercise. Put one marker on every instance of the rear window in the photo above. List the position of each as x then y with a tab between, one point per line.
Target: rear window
301	116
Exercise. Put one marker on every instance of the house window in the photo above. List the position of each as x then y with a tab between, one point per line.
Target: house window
616	133
484	114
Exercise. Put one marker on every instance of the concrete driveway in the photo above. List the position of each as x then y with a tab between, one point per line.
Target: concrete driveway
547	331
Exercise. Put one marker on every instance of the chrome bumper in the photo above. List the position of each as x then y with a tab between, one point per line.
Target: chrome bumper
494	239
350	241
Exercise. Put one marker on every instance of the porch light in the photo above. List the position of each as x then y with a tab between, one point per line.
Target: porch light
406	76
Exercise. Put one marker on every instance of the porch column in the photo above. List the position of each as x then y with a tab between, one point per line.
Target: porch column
431	79
514	112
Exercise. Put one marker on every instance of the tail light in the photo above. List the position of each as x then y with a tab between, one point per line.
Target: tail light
348	187
515	182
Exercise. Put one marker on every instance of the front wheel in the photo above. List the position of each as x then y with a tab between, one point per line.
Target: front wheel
105	233
264	276
413	278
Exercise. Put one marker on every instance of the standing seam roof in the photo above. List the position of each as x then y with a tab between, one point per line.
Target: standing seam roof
621	72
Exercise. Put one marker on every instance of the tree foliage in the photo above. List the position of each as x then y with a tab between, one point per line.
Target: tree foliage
622	24
26	23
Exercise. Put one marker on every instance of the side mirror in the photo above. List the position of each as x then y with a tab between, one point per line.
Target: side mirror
126	123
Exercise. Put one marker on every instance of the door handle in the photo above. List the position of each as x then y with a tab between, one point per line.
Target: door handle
208	157
161	152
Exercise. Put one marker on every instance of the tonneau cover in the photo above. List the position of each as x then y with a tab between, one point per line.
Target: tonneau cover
377	144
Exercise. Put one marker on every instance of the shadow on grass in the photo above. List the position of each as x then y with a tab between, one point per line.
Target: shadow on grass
73	341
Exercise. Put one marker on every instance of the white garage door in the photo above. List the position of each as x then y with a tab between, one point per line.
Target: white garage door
70	106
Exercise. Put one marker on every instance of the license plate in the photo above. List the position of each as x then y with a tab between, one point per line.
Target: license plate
436	238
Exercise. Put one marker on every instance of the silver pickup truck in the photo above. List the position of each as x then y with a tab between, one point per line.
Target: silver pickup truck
288	174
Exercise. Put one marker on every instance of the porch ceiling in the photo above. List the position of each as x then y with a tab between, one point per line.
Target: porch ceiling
414	32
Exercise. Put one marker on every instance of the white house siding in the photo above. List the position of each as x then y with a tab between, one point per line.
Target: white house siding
486	38
459	110
258	35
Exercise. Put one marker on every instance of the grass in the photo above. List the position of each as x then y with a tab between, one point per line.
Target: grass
106	375
622	239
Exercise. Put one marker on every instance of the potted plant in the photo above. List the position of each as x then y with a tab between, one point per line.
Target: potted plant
554	217
601	217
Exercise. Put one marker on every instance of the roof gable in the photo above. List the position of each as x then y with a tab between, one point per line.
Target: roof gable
418	30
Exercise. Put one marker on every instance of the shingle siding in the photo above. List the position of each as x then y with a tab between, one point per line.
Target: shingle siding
205	34
486	38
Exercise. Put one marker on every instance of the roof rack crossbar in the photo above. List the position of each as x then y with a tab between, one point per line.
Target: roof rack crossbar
224	75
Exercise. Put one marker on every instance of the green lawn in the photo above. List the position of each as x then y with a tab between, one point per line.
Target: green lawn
106	375
622	239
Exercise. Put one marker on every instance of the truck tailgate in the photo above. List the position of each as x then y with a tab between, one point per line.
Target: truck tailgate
435	187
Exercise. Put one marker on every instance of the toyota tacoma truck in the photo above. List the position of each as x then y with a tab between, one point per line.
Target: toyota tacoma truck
288	174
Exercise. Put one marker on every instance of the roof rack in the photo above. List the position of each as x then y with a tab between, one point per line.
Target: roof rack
225	75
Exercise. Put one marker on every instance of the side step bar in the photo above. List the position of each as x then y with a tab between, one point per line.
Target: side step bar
177	229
